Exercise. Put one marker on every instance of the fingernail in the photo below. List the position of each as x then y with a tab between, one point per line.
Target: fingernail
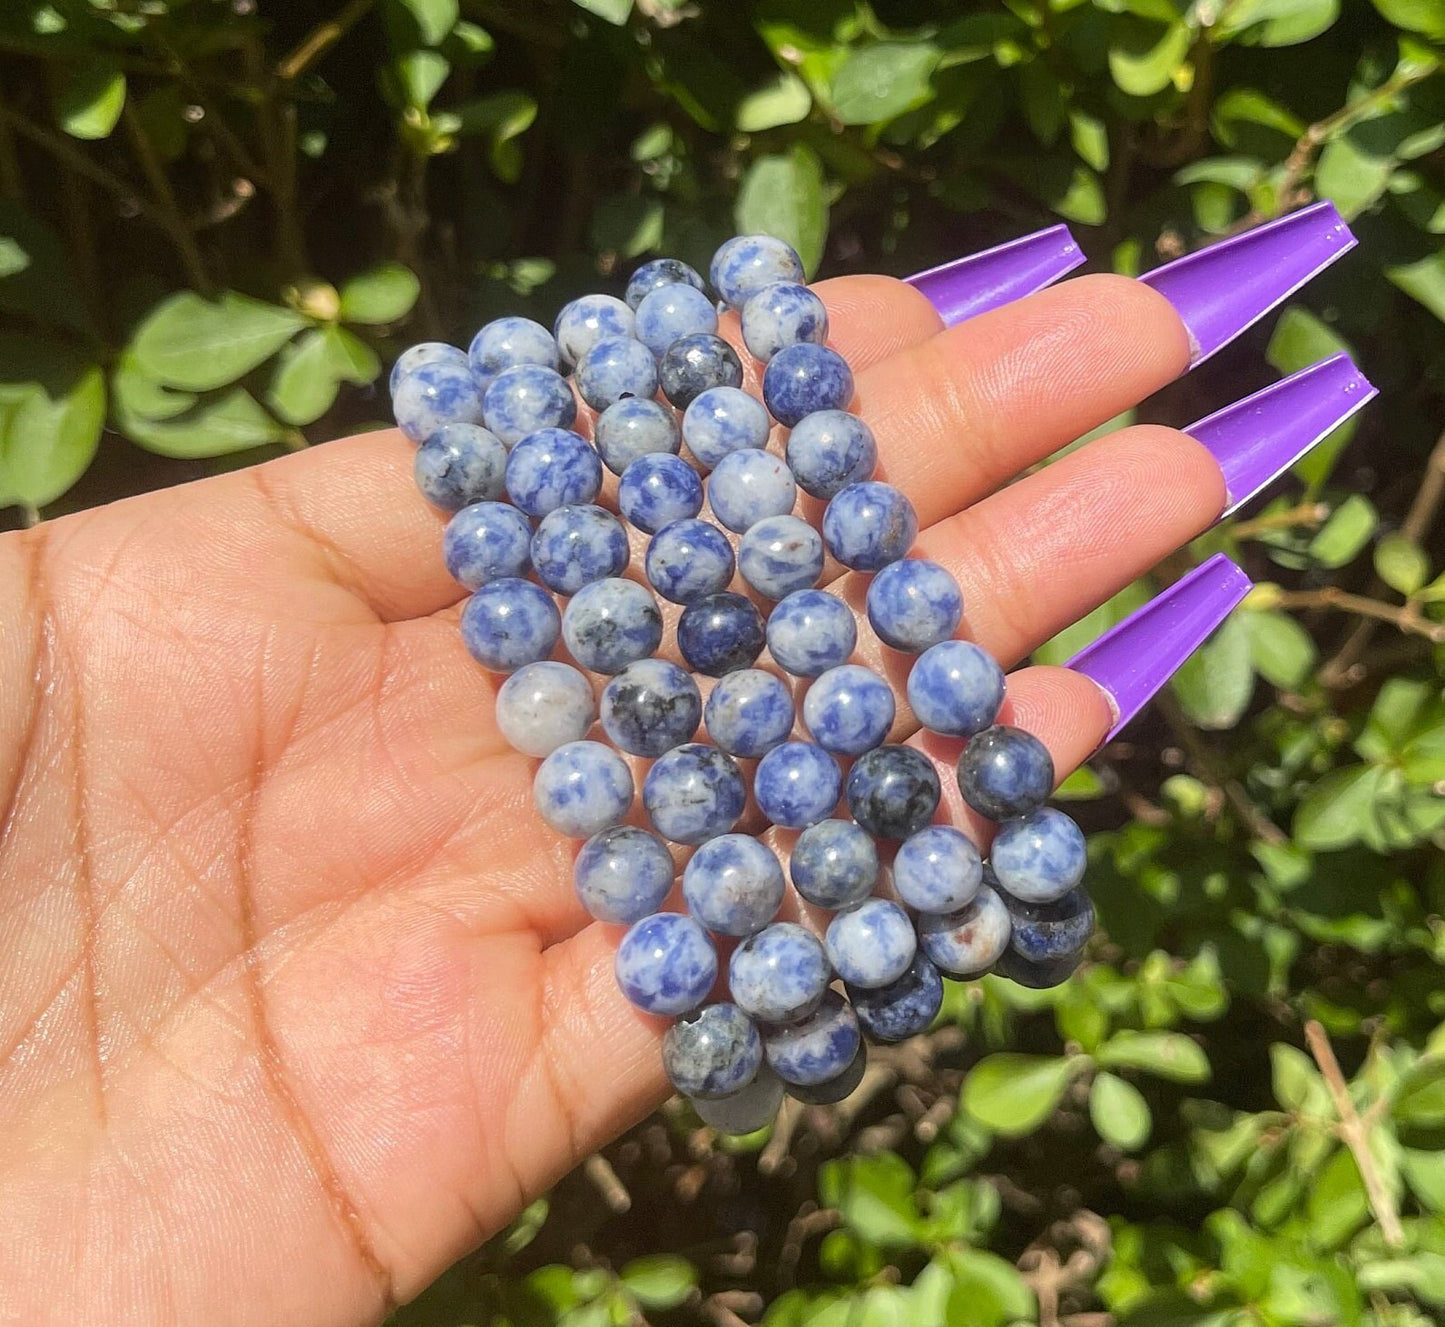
1131	661
1221	290
1257	439
969	286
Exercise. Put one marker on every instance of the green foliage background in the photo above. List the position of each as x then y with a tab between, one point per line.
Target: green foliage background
219	220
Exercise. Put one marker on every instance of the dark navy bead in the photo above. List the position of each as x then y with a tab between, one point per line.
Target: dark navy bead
671	312
804	378
749	712
694	793
743	265
545	705
507	342
849	710
574	546
955	688
1040	857
585	321
834	864
552	468
830	449
610	624
723	420
781	315
749	486
937	870
720	634
893	791
1048	932
914	604
689	560
650	707
904	1007
657	490
434	394
508	623
524	399
968	942
695	363
1037	976
623	874
797	784
426	352
712	1053
582	788
866	526
615	368
666	964
632	427
660	272
781	555
485	542
780	974
1005	772
811	631
816	1048
734	884
835	1089
461	464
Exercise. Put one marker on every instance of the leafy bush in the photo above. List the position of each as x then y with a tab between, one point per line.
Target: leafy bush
218	223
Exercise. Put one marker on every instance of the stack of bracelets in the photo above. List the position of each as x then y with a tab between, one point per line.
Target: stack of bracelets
497	447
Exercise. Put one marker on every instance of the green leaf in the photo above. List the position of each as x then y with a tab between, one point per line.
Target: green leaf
1282	651
51	415
1347	531
434	19
420	75
1090	138
1215	684
1352	176
1338	809
502	117
1120	1114
785	100
381	294
305	382
1424	281
90	99
1300	339
987	1290
1277	22
218	426
1145	58
1248	106
1420	1096
138	394
659	1281
875	1194
616	12
783	195
1401	564
1014	1094
881	81
199	344
1427	17
1165	1054
1296	1082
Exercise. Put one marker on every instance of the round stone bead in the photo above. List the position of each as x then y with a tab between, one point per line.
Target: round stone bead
811	631
744	1112
666	964
545	705
632	427
804	378
425	352
689	560
817	1048
866	526
734	884
781	555
713	1052
508	623
781	315
903	1008
834	864
552	468
660	272
937	870
748	713
585	321
1037	976
435	394
1005	772
461	464
610	624
694	364
485	542
830	449
1048	932
670	312
615	368
574	546
582	788
955	688
780	974
835	1089
694	793
849	710
650	707
623	874
743	265
748	486
720	634
914	604
968	942
797	784
1040	857
507	342
657	490
893	791
871	944
524	399
723	420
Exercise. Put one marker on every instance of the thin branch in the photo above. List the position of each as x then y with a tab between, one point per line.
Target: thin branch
319	40
1307	514
166	205
1403	617
606	1181
65	151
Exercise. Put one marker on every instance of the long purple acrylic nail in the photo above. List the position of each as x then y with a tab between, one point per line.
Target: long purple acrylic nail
1131	661
969	286
1221	290
1257	439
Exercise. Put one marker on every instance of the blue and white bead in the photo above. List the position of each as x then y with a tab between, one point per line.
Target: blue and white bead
967	943
781	555
614	369
848	710
914	604
871	944
657	490
650	707
666	964
1039	857
433	395
610	624
723	420
903	1008
868	525
660	272
622	874
485	542
830	449
712	1053
745	264
937	870
461	464
720	634
955	688
508	623
574	546
506	343
526	398
834	864
748	486
632	427
744	1112
797	784
426	352
734	885
805	378
748	713
893	791
782	315
694	793
780	974
696	364
582	788
1005	772
811	631
689	560
552	468
670	312
1049	932
545	705
585	321
817	1048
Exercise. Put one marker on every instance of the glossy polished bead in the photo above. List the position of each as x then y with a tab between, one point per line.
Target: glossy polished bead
955	688
743	265
545	705
435	394
666	964
903	1008
582	788
524	399
552	468
657	490
834	864
426	352
830	449
689	560
797	784
723	420
871	944
461	464
694	793
780	974
660	272
1037	976
1039	857
848	710
694	364
585	321
507	342
816	1048
720	634
748	486
574	546
781	315
623	874
781	555
733	884
485	542
1048	932
866	526
749	712
835	1089
632	427
650	707
893	791
805	378
615	368
508	623
610	624
713	1052
968	942
811	631
744	1112
937	870
914	604
1005	772
670	312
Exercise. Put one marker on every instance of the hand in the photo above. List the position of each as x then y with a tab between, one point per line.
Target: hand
297	1003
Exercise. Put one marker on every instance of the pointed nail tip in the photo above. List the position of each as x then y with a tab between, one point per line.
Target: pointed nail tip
979	282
